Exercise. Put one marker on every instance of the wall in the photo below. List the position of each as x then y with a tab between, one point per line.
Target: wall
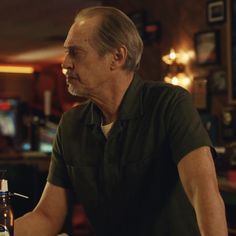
17	85
180	20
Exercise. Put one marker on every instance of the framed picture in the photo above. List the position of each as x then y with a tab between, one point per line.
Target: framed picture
216	11
217	81
200	93
207	47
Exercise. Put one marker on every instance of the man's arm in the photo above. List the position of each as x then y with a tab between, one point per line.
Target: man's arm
48	216
198	177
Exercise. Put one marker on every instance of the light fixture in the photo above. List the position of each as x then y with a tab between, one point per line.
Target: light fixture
176	69
180	79
16	69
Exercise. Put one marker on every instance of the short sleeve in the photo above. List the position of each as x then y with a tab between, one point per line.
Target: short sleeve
184	126
58	174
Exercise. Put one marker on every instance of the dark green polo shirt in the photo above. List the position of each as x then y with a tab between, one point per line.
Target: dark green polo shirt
129	184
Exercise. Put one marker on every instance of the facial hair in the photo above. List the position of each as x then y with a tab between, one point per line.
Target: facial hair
74	90
71	89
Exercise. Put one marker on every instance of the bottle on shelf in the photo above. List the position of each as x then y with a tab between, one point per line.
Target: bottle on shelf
6	211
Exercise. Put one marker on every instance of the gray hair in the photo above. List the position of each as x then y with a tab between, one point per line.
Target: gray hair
115	30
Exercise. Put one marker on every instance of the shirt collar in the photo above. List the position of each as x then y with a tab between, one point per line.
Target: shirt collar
131	106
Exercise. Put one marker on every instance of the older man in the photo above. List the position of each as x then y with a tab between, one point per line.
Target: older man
136	155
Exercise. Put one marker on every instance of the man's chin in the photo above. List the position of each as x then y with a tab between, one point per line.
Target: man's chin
75	92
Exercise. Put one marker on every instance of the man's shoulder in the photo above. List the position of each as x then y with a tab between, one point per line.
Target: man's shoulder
159	90
77	112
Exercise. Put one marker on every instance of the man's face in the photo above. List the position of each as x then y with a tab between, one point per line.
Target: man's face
87	71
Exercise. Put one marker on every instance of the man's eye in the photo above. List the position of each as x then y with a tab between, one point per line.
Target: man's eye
72	52
75	53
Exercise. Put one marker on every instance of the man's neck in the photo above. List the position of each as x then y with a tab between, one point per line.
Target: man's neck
111	99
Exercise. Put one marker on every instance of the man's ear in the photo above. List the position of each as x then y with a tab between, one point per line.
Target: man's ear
119	57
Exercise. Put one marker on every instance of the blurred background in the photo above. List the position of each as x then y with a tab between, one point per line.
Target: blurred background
187	43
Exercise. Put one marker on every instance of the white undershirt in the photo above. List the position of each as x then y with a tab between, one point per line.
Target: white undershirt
106	129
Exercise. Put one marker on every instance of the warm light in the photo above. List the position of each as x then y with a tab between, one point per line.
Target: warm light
172	54
180	79
179	58
185	57
175	80
17	69
171	57
176	69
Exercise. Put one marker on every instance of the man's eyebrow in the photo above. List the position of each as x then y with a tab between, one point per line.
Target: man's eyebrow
71	47
77	48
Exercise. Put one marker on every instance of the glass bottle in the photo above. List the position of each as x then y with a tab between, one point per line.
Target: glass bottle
6	211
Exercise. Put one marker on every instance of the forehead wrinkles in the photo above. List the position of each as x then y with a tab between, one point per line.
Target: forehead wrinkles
80	33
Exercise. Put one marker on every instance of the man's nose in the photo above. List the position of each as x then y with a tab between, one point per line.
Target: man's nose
67	63
64	70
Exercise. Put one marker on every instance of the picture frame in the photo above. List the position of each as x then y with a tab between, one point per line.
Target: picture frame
207	47
200	93
218	81
216	11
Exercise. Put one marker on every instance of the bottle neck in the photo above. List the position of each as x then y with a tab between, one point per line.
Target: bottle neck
4	198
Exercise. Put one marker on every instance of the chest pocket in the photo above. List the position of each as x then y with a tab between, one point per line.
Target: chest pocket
84	156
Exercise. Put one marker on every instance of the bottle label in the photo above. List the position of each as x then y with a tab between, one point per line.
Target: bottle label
4	231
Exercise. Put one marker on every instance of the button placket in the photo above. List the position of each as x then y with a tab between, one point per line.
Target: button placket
111	161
